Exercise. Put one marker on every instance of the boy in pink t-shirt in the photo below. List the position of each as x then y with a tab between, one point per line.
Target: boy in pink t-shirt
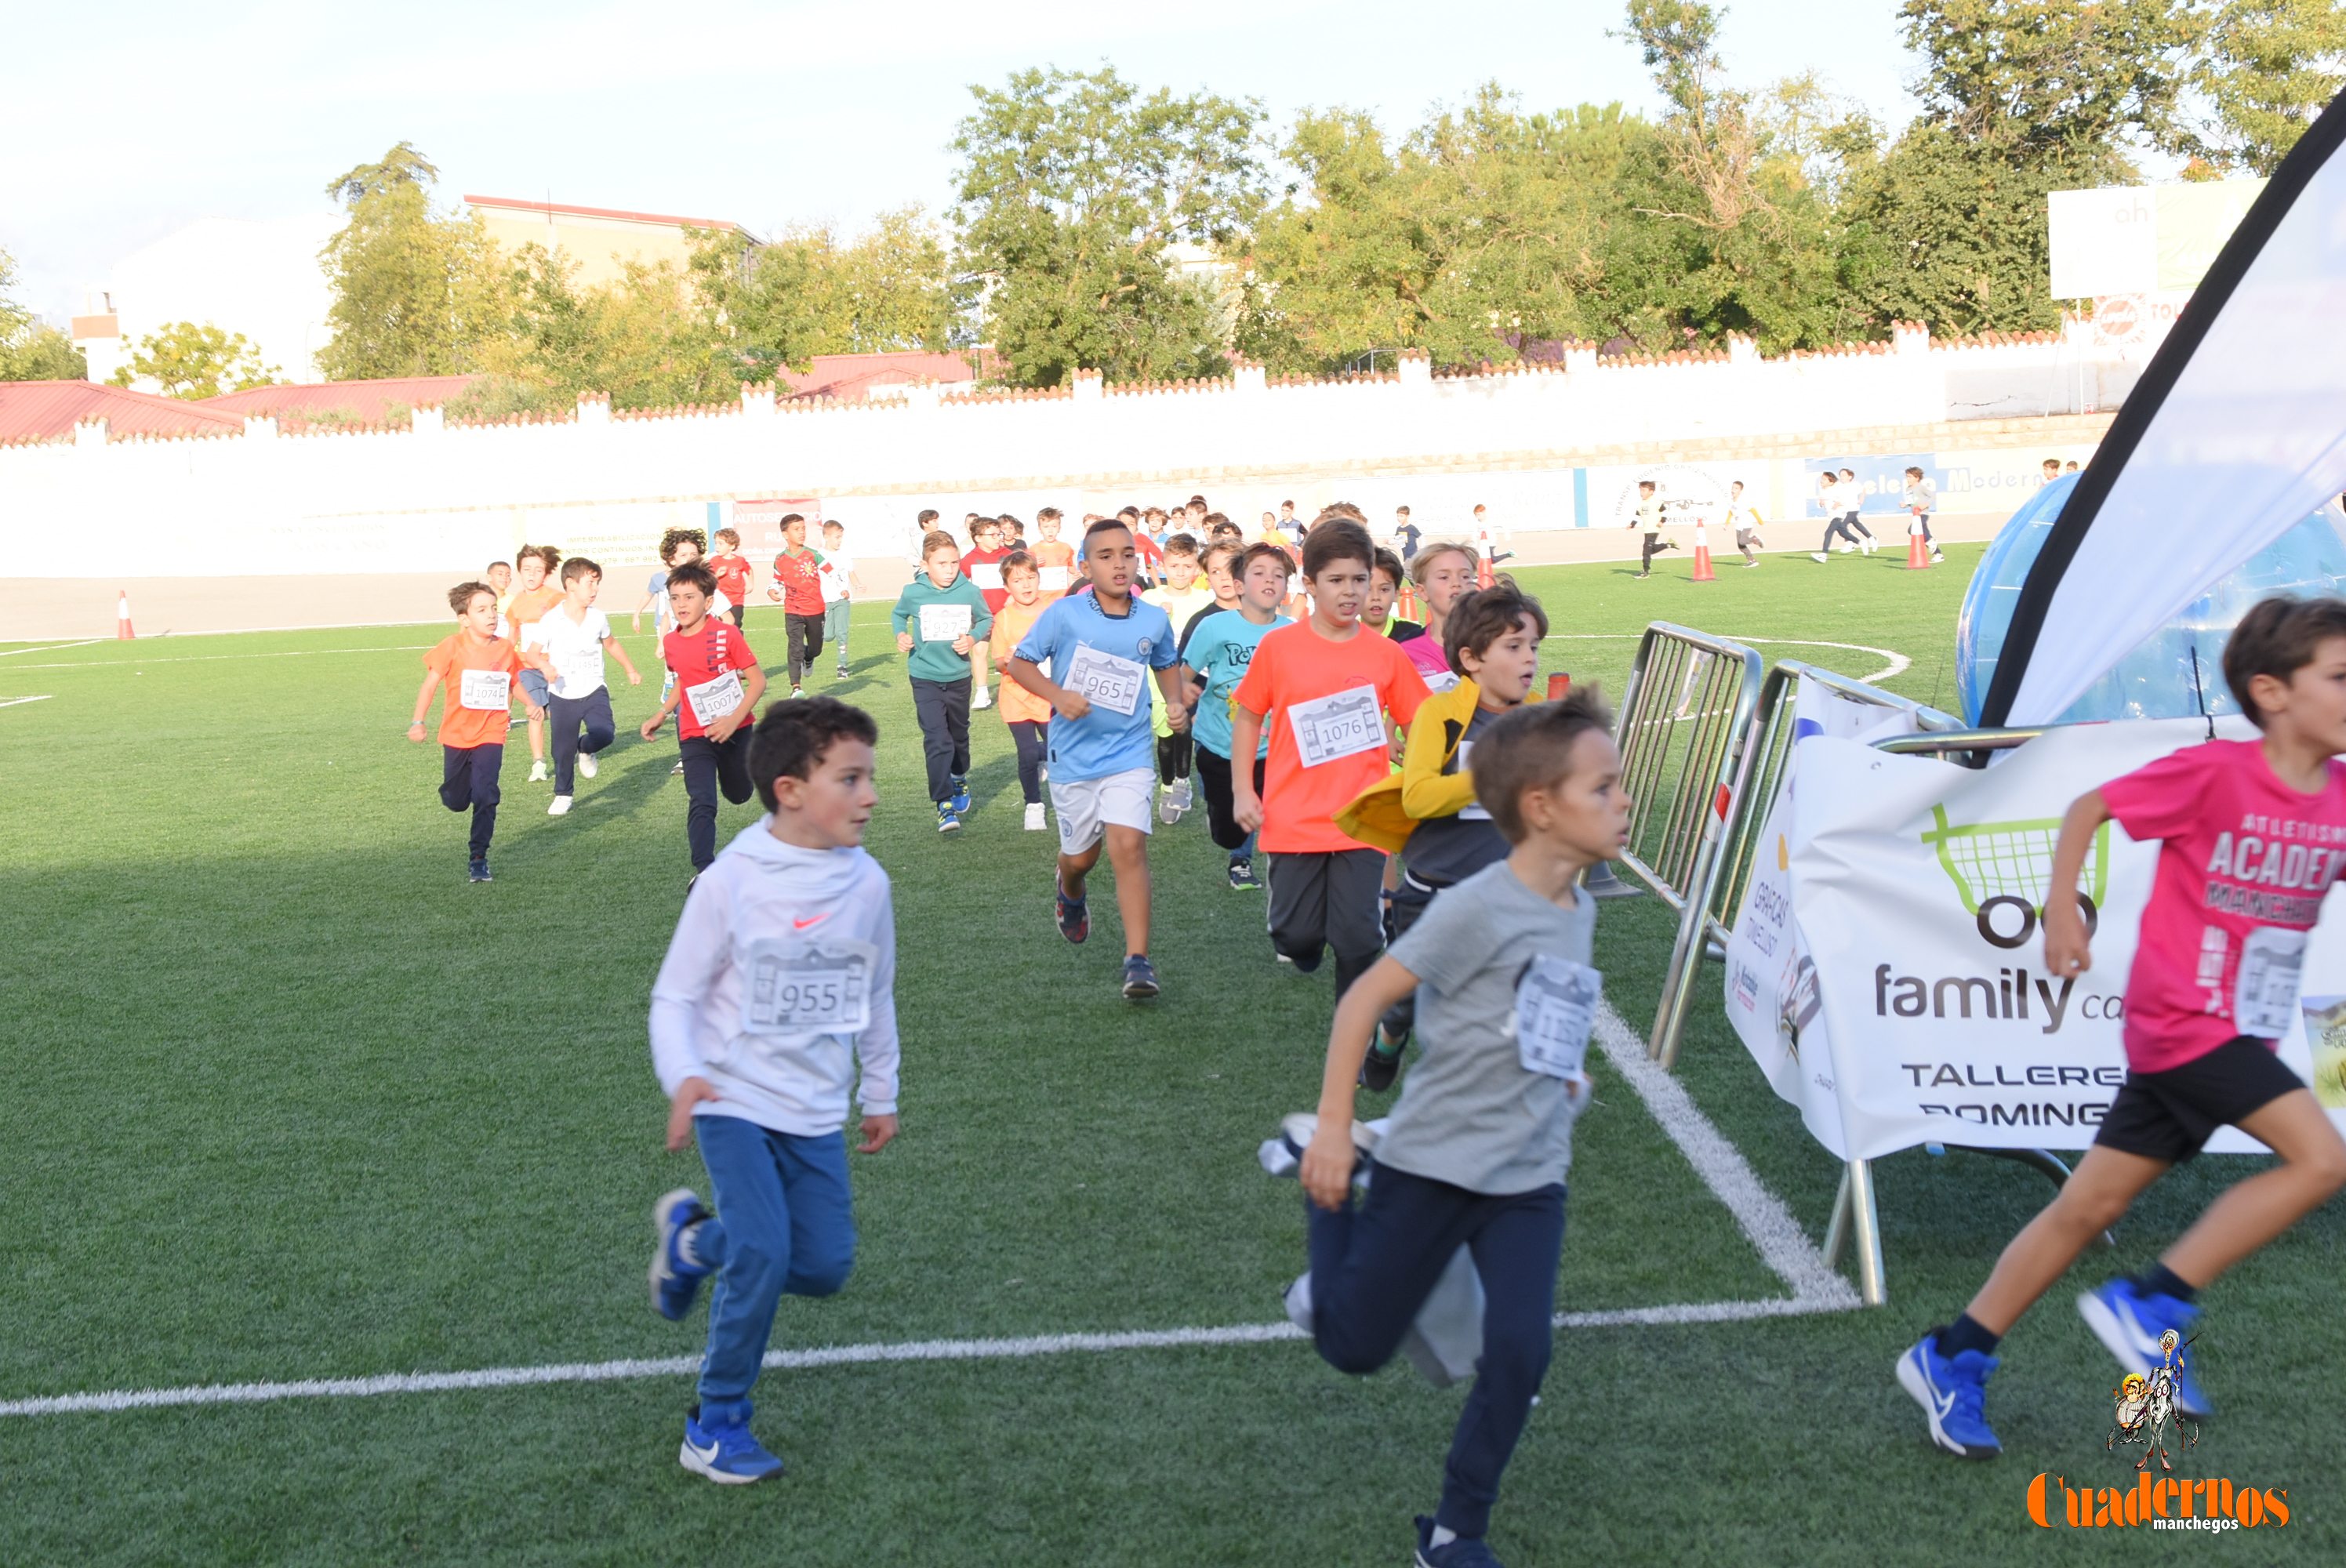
2252	834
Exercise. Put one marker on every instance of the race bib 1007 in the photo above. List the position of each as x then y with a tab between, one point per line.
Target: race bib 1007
487	690
713	700
1555	1007
1105	679
1341	724
945	623
808	988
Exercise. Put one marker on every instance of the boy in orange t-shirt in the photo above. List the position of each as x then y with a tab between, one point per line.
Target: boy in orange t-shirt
534	593
1054	558
477	667
1027	716
1332	683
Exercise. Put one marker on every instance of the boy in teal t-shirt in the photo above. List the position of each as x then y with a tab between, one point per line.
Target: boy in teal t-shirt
1215	659
939	618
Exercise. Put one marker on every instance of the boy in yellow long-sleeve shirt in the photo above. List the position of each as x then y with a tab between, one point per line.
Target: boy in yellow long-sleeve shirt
1428	814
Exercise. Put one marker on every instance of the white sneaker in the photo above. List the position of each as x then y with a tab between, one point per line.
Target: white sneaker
1819	557
538	773
984	698
588	766
1035	822
1169	805
1937	554
561	807
1183	796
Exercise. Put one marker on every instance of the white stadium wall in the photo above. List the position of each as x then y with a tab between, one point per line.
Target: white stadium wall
1549	451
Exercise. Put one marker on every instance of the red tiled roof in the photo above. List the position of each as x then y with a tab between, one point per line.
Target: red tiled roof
40	410
367	402
662	218
852	378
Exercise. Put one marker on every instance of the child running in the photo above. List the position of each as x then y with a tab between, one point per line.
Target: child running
798	584
2241	827
1053	557
1443	572
983	565
714	696
1215	657
1648	518
1221	563
734	572
573	636
1332	685
840	584
1477	1149
1744	519
783	965
1027	716
1429	814
477	667
1099	649
1385	574
940	618
534	593
1183	595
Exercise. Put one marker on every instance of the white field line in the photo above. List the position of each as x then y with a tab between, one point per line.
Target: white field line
20	702
1758	1213
1898	663
214	658
54	648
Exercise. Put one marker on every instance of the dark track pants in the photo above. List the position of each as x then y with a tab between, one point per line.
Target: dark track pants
806	644
708	768
592	711
1222	820
468	779
1328	898
1374	1263
1032	736
942	709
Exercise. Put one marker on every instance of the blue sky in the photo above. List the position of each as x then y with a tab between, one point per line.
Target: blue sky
122	125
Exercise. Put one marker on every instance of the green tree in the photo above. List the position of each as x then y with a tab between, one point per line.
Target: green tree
2270	67
196	361
415	292
2017	75
809	292
648	341
30	349
1072	190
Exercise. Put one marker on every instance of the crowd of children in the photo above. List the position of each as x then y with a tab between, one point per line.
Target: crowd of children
1341	749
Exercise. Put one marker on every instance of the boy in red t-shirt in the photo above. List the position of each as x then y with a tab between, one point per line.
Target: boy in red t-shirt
735	576
798	584
717	685
1333	684
2252	835
477	667
983	565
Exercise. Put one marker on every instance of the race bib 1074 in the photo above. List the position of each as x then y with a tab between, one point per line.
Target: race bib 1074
486	690
1341	724
808	988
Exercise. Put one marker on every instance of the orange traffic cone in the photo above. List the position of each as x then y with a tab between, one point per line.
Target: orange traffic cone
1558	685
1408	600
122	632
1702	571
1918	553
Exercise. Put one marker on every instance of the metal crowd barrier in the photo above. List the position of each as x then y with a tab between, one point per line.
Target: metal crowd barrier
1684	718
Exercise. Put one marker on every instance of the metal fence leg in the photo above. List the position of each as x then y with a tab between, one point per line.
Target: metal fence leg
1837	1228
1854	1216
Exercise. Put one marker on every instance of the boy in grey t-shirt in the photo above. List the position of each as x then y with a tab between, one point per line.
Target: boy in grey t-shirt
1476	1151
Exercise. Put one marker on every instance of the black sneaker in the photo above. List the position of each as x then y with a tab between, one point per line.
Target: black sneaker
1075	920
1382	1065
1243	874
1139	977
479	869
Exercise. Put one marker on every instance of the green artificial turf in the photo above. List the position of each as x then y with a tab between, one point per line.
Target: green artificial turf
288	1098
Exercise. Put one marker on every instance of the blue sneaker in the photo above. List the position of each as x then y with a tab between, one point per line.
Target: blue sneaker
947	820
2130	1323
1949	1391
961	797
727	1455
477	869
1074	920
1464	1551
675	1280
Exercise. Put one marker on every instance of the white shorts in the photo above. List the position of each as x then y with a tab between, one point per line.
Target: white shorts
1085	807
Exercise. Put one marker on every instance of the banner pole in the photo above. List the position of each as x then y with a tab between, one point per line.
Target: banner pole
1866	1222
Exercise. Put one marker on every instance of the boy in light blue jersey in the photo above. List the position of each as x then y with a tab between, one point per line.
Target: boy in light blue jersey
1215	659
1100	648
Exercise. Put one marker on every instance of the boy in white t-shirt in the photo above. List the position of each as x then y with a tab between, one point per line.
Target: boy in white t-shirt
839	587
574	635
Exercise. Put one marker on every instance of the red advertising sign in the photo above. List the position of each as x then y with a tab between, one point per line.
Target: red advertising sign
760	523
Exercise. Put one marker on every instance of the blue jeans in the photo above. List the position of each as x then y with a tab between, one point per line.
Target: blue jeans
782	1225
1372	1270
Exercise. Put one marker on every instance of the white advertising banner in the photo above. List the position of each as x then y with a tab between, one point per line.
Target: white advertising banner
1907	1002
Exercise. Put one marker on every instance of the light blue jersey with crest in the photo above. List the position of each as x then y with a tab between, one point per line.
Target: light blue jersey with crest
1111	660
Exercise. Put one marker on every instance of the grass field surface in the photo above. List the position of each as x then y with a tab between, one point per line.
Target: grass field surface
288	1099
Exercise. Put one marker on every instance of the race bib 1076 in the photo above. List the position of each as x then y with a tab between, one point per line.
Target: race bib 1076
1341	724
808	988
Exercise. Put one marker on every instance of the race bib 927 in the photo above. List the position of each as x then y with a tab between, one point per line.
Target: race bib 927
486	690
1341	724
945	623
808	988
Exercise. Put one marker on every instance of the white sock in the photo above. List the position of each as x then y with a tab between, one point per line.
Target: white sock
1441	1536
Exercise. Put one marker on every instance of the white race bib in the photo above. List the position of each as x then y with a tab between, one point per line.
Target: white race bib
713	700
1473	812
1054	578
1341	724
488	690
944	623
796	987
2264	997
1106	680
986	574
1439	679
579	669
1556	1006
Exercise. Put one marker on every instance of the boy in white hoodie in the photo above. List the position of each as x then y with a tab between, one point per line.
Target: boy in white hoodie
783	965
